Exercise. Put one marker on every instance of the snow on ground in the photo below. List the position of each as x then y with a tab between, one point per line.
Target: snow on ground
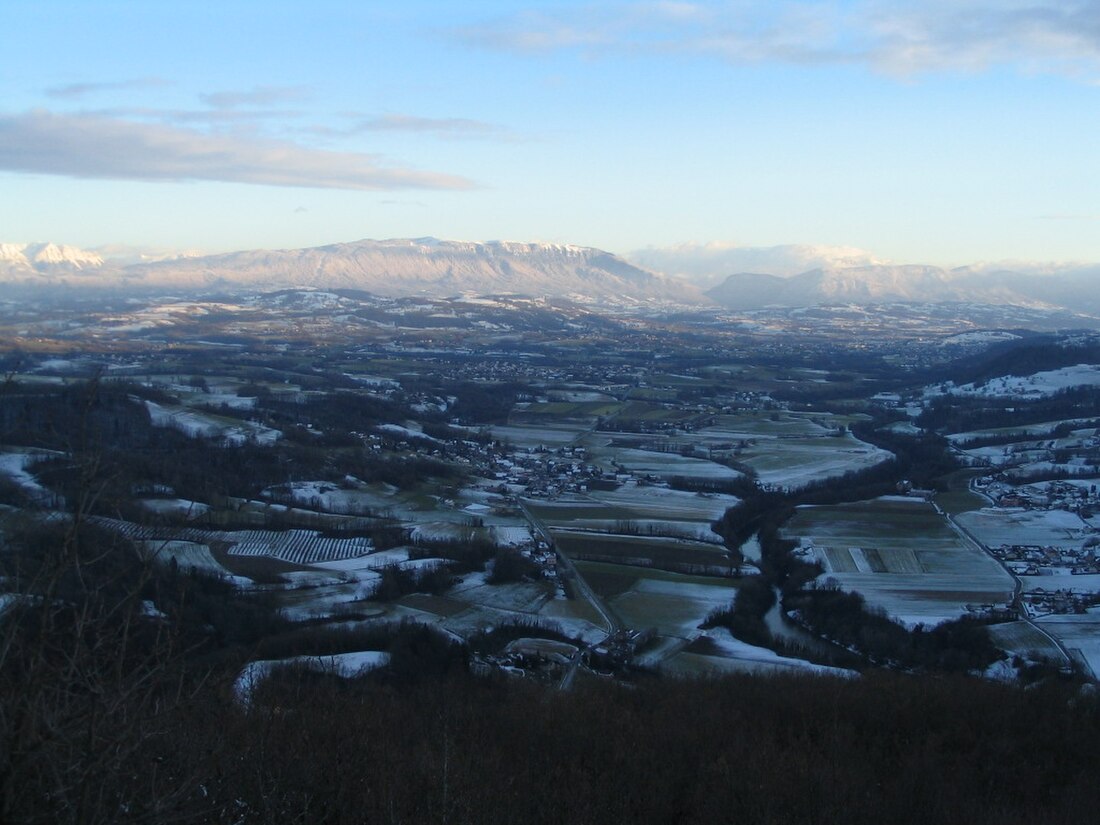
1079	633
188	555
14	466
675	607
1062	579
667	465
321	596
344	665
175	507
505	536
796	462
331	497
996	526
979	337
730	654
666	503
1039	385
205	425
406	432
374	561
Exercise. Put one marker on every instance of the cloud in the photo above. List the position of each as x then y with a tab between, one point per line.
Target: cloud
85	146
895	37
79	90
438	126
707	264
256	96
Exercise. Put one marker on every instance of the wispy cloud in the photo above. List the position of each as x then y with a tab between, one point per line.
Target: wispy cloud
85	146
892	36
256	96
74	91
448	127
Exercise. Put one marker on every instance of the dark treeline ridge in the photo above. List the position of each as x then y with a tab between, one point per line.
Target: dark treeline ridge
956	414
1025	357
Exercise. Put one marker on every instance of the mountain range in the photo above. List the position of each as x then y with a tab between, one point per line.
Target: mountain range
403	267
1075	289
440	268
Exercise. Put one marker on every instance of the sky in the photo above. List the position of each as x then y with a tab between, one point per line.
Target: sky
943	132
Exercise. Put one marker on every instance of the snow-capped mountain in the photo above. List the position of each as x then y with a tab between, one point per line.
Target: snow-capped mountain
44	257
1075	289
438	268
424	266
707	264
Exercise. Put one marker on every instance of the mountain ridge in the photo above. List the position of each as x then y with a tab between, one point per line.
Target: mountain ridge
427	266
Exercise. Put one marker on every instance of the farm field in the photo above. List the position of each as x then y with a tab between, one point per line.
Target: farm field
716	651
662	465
530	437
673	603
1080	634
657	551
995	526
197	424
797	462
1022	639
901	556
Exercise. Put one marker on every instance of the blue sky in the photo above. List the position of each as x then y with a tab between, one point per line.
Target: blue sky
937	132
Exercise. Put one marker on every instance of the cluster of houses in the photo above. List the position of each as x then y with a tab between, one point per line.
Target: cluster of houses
1047	495
532	658
1033	560
1041	602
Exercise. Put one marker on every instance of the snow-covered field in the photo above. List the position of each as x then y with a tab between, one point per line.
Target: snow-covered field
667	465
664	503
14	465
206	425
1079	633
1039	385
344	665
175	507
725	654
903	557
995	526
187	554
797	462
675	608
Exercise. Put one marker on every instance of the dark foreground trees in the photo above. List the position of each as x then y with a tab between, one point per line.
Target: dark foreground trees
447	747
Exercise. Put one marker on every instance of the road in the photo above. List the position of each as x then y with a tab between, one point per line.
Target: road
1017	602
582	588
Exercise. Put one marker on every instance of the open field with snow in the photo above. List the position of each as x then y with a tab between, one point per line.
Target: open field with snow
15	465
197	424
1021	638
996	526
902	556
1080	634
800	461
663	465
716	652
663	503
551	436
673	603
1038	385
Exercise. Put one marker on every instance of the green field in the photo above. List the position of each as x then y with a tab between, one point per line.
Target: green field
640	550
